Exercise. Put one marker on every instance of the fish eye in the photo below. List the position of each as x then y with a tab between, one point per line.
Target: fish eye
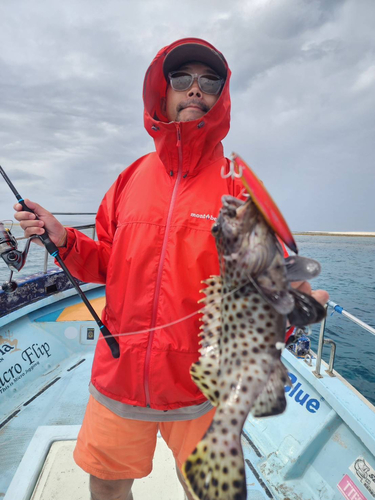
215	228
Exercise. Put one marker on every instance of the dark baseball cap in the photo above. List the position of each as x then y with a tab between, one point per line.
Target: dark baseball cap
188	52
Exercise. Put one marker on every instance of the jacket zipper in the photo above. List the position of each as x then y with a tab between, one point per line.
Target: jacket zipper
160	268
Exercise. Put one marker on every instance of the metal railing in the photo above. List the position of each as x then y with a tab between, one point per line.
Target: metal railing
325	341
84	226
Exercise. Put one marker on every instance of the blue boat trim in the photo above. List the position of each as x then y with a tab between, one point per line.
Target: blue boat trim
50	316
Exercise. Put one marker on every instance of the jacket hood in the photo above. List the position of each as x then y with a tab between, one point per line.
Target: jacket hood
190	144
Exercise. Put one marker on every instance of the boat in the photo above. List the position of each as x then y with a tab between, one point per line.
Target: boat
322	447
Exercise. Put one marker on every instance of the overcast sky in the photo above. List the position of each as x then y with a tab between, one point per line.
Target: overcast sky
303	98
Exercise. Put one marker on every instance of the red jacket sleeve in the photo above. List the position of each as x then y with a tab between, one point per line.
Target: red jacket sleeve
85	258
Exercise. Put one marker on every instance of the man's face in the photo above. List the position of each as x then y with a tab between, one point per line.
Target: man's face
192	103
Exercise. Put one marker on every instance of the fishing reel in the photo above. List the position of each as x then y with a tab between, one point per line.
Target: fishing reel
299	342
13	258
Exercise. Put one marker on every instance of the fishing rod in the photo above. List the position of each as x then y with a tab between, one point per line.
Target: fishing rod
54	251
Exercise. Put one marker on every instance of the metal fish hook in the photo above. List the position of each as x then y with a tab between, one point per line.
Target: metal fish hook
232	170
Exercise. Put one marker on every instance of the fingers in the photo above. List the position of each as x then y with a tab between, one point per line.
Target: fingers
321	296
27	220
32	227
302	286
32	205
22	214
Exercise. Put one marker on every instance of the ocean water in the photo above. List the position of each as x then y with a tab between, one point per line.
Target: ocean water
348	274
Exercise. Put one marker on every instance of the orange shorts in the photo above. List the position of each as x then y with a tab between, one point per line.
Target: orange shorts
112	447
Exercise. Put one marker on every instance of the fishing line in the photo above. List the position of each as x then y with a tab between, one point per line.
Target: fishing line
167	325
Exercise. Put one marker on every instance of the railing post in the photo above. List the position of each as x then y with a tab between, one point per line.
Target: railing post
331	357
45	260
316	372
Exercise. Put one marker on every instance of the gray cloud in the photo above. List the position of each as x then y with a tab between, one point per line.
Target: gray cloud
303	91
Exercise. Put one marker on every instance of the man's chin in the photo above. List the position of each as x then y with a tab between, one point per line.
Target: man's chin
189	114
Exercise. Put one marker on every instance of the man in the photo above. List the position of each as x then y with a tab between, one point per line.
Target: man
154	248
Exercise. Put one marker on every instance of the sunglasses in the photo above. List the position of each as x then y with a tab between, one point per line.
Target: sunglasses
182	80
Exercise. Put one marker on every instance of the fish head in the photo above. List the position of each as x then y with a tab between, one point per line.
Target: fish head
238	228
229	226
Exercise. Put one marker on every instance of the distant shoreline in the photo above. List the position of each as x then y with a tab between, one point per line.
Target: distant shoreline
333	233
313	233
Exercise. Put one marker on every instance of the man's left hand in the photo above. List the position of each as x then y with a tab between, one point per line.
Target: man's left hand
321	296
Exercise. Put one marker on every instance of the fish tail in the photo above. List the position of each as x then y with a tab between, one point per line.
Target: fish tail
215	469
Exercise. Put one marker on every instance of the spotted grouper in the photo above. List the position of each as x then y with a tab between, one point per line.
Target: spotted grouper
244	323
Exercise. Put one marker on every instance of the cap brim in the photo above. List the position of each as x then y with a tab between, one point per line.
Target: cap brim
194	52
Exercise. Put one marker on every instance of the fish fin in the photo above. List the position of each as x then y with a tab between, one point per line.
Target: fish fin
215	470
281	300
271	401
205	371
301	268
273	286
306	310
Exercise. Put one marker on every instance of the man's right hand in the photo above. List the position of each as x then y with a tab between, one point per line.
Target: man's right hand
56	231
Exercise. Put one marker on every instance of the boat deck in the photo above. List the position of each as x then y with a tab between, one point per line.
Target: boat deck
61	478
320	448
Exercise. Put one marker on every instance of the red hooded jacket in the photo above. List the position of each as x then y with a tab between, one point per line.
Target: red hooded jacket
154	248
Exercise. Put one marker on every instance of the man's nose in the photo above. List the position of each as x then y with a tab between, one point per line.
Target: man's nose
194	90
